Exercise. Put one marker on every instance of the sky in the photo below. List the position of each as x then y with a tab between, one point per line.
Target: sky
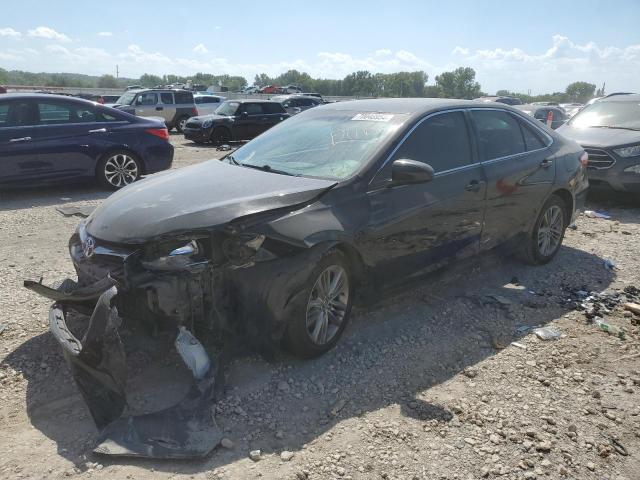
519	45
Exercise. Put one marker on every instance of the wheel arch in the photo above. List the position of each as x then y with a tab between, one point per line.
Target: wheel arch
567	198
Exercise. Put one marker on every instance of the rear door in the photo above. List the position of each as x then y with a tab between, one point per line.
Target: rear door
519	168
18	156
274	113
69	136
167	107
415	228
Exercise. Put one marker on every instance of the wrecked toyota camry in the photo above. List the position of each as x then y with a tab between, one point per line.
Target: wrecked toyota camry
270	243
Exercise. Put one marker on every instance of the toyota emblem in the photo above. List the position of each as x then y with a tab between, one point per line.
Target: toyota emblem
89	247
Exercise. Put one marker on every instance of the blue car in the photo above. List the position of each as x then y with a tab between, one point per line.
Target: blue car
48	139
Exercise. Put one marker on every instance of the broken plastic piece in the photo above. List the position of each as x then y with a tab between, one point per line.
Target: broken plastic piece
547	333
594	214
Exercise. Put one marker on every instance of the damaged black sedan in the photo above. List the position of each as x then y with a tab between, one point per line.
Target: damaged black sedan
272	242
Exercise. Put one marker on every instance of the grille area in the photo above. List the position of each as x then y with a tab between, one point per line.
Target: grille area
599	159
193	125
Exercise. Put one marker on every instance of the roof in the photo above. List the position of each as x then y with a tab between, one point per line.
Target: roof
44	96
415	106
621	97
249	100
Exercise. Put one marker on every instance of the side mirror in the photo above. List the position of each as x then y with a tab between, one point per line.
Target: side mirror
405	172
244	114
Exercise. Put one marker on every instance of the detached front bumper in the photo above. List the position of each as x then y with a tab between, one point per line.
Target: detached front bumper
98	364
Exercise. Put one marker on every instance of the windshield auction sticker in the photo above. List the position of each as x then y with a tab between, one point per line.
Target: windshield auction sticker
373	117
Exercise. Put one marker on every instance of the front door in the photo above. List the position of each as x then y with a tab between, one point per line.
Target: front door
146	104
518	164
249	118
416	228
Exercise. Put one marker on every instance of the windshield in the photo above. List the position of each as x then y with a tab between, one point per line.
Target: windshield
321	143
227	108
609	114
126	99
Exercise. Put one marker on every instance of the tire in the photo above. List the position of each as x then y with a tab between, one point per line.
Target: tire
305	336
118	169
180	123
220	135
548	232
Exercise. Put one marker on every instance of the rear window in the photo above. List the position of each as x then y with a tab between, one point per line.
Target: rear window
183	97
532	139
16	114
167	98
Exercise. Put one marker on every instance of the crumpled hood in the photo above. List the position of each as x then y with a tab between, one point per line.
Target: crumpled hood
209	194
599	137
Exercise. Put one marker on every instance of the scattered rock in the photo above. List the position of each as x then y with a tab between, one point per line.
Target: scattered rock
285	456
227	443
255	455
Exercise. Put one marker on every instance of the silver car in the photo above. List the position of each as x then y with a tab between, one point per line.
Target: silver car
174	106
297	103
207	104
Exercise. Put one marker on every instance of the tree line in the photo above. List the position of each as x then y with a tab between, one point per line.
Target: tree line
458	83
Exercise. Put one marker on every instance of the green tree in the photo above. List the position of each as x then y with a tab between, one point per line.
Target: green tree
580	91
107	81
461	83
149	80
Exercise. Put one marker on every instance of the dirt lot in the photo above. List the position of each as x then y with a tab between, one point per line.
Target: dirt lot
428	384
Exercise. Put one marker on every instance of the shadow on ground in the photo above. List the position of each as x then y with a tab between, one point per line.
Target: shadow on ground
46	196
390	355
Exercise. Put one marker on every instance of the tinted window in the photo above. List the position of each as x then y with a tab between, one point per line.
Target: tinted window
167	98
273	108
541	114
51	113
499	134
183	97
148	98
532	139
15	114
210	100
441	141
305	102
252	108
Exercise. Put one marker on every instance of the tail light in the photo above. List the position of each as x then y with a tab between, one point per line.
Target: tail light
162	133
584	159
194	112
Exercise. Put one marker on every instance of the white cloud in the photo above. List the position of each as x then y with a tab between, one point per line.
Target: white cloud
200	48
105	34
48	33
9	32
550	69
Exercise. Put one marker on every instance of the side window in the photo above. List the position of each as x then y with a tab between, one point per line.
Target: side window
532	139
499	134
16	114
183	97
253	108
166	98
147	98
305	102
4	114
55	113
441	141
273	108
199	100
541	114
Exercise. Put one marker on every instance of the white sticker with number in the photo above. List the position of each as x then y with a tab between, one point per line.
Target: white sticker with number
373	117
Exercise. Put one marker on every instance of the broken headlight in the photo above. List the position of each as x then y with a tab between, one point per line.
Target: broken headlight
240	249
176	257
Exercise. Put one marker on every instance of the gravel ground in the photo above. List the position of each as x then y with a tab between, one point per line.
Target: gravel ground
443	380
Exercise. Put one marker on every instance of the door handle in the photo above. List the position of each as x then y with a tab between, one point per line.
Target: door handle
21	139
473	186
546	163
159	108
98	130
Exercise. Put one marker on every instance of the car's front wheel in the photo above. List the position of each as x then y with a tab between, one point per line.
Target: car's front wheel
118	169
548	232
328	298
220	135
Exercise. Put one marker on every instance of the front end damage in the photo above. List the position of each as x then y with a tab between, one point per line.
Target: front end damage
206	284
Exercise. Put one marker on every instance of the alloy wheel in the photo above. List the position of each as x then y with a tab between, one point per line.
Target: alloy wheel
120	170
182	123
327	305
550	230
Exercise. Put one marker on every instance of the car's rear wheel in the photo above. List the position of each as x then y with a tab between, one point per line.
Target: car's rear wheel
320	321
118	169
220	135
181	123
548	232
